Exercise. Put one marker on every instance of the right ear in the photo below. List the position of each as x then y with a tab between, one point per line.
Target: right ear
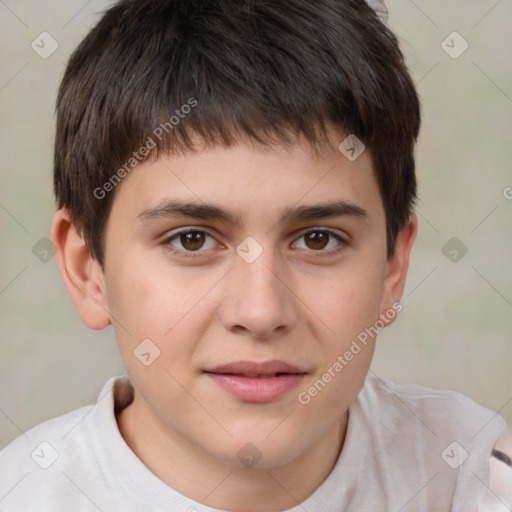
81	273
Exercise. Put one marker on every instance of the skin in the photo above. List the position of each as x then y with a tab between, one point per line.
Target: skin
216	308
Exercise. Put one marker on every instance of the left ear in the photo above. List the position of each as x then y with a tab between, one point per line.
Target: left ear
396	270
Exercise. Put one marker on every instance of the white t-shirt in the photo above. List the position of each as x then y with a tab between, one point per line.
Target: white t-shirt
407	448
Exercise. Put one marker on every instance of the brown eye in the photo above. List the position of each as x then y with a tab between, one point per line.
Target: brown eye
321	241
192	241
317	240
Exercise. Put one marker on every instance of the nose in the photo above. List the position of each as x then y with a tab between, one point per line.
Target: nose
259	298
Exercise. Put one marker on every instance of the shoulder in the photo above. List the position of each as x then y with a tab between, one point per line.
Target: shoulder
34	464
439	420
440	433
55	461
55	428
446	407
66	431
466	443
501	464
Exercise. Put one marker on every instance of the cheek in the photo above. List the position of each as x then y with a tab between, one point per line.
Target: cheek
350	308
151	300
170	307
349	302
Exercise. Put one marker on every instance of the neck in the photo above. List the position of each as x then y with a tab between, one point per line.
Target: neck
214	483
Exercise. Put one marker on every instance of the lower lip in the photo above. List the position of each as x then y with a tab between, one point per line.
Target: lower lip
254	389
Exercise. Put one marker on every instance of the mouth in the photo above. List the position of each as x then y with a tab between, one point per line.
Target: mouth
257	382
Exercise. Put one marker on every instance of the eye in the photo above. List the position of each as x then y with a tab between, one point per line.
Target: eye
320	239
190	241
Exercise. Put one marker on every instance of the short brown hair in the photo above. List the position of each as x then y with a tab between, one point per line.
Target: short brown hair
265	69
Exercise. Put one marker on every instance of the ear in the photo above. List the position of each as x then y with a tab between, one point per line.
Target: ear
396	270
80	271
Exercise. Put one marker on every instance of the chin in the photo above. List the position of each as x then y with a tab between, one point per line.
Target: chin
261	452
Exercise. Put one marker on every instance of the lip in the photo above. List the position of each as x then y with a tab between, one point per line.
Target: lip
257	382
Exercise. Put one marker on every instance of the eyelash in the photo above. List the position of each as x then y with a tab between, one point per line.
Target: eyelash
195	254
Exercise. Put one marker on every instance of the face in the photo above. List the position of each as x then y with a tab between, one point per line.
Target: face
270	261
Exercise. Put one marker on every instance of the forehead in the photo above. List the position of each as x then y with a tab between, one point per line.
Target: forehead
277	182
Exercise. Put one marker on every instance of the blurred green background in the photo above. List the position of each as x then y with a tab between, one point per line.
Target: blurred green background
455	330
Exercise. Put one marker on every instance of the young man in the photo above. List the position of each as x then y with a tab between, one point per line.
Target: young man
235	182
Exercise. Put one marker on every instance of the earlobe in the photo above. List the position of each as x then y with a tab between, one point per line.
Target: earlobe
396	270
81	273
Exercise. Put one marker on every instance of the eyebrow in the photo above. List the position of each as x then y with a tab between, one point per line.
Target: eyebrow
171	209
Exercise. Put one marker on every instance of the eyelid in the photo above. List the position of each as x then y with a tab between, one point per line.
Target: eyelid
187	229
324	229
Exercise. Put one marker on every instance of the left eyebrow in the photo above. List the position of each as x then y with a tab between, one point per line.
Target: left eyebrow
324	211
171	209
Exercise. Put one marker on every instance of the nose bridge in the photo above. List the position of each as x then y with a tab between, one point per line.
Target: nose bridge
259	299
257	270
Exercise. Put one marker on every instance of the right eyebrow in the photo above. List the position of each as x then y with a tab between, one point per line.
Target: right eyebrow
176	209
